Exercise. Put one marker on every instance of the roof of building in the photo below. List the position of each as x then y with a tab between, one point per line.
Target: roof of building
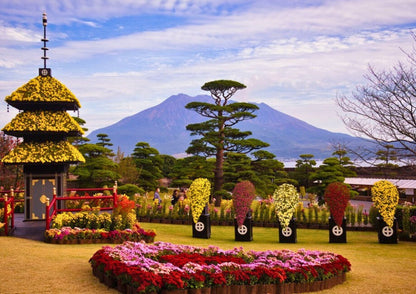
399	183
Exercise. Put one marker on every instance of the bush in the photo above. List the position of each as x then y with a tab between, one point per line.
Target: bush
130	190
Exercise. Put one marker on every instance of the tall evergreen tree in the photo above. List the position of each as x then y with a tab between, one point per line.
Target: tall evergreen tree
269	171
187	169
99	169
217	135
149	164
304	168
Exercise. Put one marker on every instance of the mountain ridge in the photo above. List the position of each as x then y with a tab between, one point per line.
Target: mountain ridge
163	126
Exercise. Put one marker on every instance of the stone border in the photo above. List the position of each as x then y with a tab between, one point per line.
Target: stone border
283	288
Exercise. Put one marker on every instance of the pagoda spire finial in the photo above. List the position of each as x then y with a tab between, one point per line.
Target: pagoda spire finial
44	71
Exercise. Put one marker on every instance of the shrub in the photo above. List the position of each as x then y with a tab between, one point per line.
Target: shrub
130	190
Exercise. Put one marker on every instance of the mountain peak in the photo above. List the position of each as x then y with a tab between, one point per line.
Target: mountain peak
164	127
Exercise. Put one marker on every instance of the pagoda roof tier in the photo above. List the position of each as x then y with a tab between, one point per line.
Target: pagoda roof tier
43	153
43	93
39	121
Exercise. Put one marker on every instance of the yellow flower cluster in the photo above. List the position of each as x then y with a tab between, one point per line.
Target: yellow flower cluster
385	197
43	121
199	192
43	152
286	198
43	89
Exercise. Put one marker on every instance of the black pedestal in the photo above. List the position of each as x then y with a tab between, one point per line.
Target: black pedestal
288	234
245	232
387	235
337	234
202	229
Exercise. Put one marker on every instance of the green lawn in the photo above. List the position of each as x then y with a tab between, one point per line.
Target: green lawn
36	267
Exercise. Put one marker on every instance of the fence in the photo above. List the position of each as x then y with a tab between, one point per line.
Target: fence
52	206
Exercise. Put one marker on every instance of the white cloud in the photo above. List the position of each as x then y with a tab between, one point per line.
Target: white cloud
293	56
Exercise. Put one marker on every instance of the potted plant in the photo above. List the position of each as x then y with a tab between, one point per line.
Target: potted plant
243	195
286	198
199	192
386	197
337	196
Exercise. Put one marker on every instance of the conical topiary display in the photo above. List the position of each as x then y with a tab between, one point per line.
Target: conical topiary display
44	125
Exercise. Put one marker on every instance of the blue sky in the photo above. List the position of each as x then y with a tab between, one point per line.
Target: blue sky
121	57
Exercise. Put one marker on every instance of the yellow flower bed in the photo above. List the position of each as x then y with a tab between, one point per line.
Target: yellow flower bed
43	152
199	192
43	89
43	121
385	197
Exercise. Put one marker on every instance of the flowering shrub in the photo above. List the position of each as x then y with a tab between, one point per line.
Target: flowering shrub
42	89
136	234
243	195
43	121
286	198
385	197
93	220
164	266
199	192
43	152
337	196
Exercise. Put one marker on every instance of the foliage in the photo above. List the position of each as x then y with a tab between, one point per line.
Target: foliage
337	197
237	167
304	167
269	173
42	89
148	163
286	198
185	170
385	197
127	170
79	140
43	152
10	175
217	135
328	172
98	169
130	190
198	193
243	195
104	140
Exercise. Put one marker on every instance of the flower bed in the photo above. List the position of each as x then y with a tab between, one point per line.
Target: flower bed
164	267
68	235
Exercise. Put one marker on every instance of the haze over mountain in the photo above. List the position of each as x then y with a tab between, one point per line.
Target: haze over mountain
164	128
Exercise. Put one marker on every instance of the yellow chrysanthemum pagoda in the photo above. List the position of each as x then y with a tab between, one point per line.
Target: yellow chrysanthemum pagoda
44	125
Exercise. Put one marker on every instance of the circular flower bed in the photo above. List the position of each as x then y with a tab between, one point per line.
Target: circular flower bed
164	267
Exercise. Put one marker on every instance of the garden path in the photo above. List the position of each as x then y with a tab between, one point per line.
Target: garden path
32	230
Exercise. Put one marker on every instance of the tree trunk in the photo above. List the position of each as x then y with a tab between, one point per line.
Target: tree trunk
218	176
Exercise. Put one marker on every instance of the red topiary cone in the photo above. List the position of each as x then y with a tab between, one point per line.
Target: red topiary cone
243	194
337	196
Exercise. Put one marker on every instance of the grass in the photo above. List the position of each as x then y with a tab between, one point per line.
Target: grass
36	267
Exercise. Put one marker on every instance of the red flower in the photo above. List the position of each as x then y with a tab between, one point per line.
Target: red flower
337	196
243	194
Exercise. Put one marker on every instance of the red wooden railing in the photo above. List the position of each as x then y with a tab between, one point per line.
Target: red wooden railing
9	200
8	213
52	207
